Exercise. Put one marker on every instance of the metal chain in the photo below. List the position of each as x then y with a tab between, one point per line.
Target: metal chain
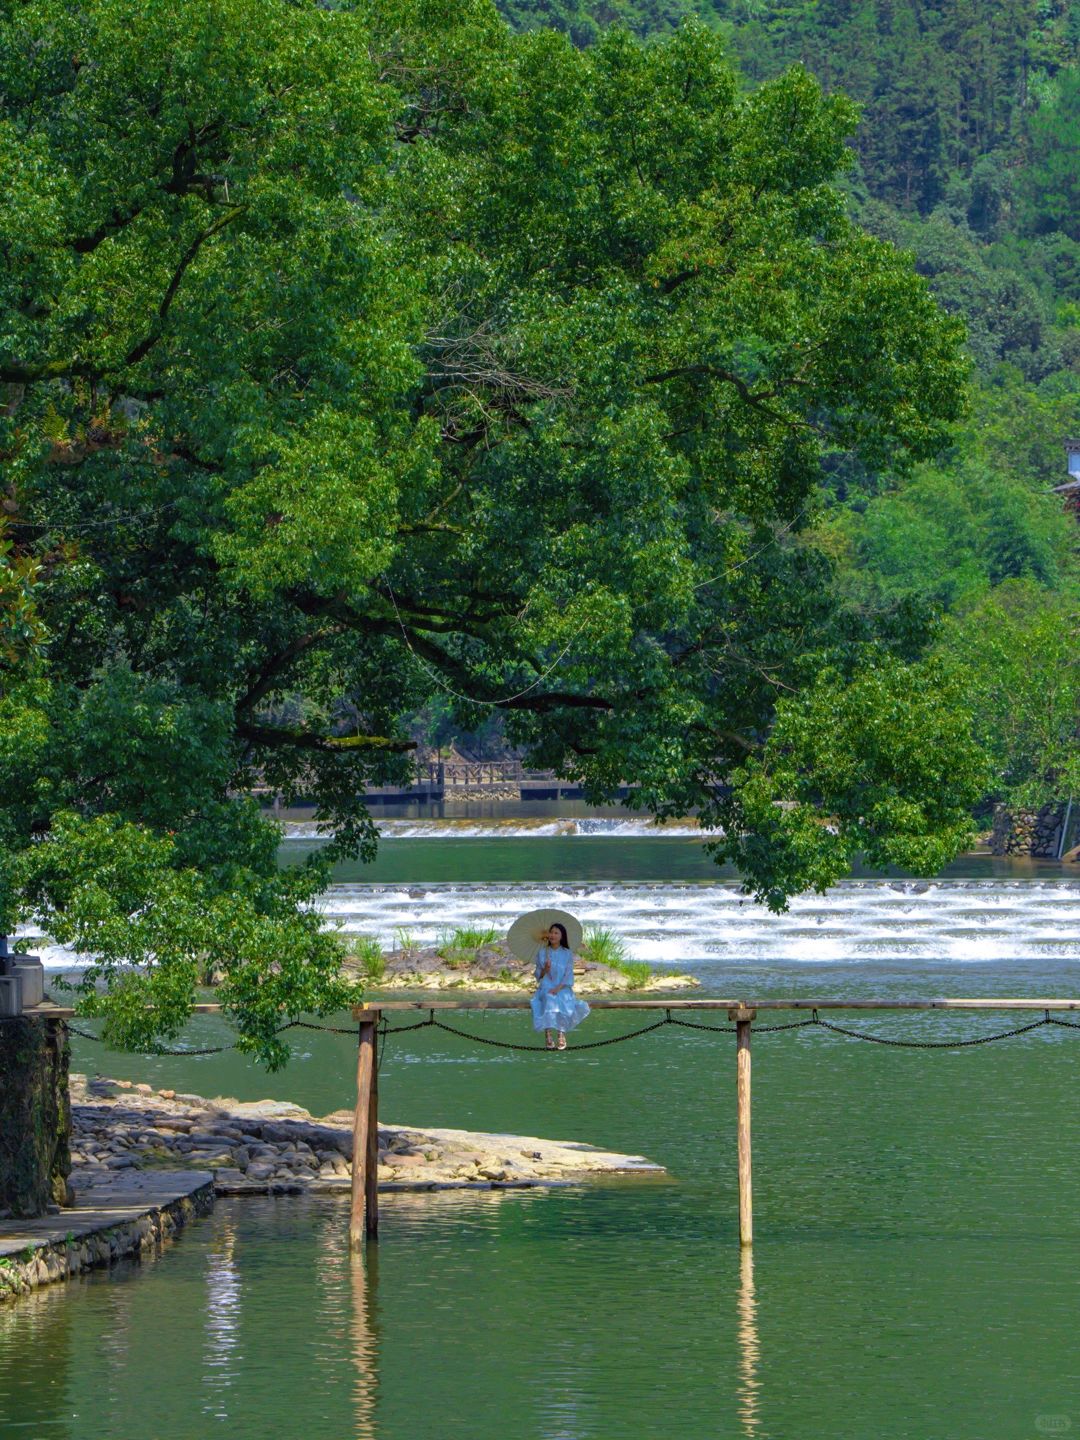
730	1029
389	1029
219	1049
385	1030
330	1029
933	1044
514	1045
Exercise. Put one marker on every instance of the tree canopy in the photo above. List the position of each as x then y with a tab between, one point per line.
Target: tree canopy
374	355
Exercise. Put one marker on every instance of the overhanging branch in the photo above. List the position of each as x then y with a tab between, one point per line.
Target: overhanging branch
286	737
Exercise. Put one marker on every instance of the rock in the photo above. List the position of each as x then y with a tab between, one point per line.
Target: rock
144	1089
167	1094
292	1152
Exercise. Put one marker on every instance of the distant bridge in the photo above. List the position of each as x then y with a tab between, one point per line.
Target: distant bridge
441	780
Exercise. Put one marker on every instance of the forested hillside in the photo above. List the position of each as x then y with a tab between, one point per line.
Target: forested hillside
968	155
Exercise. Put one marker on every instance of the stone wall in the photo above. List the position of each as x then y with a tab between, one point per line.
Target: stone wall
1027	832
60	1259
35	1115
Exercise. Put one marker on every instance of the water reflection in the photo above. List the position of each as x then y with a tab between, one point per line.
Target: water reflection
749	1349
364	1277
222	1334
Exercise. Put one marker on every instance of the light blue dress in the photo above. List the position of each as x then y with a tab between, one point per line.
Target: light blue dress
564	1010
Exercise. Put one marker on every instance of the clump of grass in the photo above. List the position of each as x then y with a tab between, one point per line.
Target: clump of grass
473	937
404	939
369	956
456	948
507	977
603	947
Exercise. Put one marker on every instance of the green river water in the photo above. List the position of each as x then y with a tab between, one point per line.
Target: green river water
915	1270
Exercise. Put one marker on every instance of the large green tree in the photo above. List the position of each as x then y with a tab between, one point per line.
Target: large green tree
371	355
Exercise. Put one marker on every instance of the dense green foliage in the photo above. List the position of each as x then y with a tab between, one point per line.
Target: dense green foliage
355	359
967	154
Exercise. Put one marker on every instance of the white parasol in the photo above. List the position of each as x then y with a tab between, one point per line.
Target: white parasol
529	932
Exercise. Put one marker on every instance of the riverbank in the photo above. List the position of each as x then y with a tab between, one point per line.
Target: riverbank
126	1215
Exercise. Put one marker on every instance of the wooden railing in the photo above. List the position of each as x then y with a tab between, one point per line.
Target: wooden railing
364	1213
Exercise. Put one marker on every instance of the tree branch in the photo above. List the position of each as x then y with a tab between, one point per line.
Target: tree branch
151	338
16	374
279	736
268	676
717	372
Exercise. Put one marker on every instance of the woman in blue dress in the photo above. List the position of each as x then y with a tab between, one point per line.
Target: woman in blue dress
555	1007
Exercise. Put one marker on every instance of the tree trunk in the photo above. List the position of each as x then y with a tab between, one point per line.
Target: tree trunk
35	1115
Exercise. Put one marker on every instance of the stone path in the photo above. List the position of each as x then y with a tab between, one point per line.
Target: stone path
119	1218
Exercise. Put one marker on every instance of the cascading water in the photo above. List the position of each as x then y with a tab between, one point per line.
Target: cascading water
704	926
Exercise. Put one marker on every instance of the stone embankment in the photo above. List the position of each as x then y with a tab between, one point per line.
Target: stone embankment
1029	832
495	968
272	1147
124	1221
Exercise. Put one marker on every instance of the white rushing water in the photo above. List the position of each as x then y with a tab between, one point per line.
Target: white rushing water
672	923
667	923
520	828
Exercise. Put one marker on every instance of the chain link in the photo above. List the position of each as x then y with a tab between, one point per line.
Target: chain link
515	1045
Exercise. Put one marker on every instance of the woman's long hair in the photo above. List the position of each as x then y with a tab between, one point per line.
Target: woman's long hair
562	931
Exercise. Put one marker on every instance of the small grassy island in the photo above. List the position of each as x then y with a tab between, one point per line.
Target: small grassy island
477	959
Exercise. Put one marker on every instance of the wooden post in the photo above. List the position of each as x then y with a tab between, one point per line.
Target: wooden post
743	1018
371	1160
364	1214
